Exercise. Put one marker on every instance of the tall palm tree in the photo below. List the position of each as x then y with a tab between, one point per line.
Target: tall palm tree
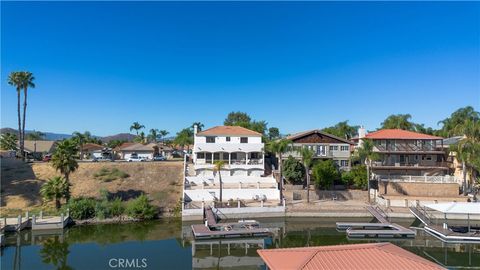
468	149
80	139
162	133
27	81
14	79
154	133
366	155
279	147
218	166
136	126
307	158
55	189
63	160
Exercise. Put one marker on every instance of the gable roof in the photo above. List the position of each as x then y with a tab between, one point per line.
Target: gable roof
139	147
315	131
229	131
400	134
356	256
92	147
123	145
39	146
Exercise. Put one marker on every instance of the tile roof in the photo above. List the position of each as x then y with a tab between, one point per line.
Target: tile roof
229	130
123	145
400	134
371	256
92	147
139	147
308	132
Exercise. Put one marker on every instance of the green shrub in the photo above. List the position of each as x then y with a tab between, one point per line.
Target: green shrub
107	175
358	175
140	208
102	210
325	173
293	170
82	208
117	207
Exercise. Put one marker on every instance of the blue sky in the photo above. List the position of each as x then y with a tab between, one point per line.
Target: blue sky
100	66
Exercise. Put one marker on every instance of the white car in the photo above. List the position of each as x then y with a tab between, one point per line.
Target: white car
136	159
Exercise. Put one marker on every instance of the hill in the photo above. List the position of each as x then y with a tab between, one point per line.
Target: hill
121	136
49	136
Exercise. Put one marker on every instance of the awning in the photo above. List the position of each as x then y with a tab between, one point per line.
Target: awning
456	208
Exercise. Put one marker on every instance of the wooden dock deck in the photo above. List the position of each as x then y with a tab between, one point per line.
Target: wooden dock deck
14	224
382	229
50	223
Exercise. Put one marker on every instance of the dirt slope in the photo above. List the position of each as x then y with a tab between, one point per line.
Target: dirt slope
161	181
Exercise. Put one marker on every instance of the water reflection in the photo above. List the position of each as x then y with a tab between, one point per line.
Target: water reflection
169	245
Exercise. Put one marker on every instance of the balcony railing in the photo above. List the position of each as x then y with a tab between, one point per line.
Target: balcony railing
418	179
232	162
411	164
407	148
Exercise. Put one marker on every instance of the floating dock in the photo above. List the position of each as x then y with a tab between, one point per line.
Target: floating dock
14	224
212	229
50	223
382	229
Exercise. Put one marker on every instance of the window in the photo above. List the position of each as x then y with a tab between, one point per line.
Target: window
344	148
216	156
210	139
225	156
254	155
201	155
321	150
244	140
343	163
333	147
228	139
234	155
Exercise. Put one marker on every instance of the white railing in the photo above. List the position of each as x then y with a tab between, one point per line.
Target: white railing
417	179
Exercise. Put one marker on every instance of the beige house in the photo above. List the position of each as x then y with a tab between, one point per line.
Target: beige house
38	149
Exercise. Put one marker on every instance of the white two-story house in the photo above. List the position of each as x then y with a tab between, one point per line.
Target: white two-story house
241	149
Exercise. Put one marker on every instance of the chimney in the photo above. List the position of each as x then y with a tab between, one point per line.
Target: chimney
195	129
361	132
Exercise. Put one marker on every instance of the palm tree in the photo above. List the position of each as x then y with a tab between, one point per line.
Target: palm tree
136	126
140	138
63	160
162	133
80	139
307	158
199	125
366	155
154	133
8	141
55	252
218	166
55	189
468	148
15	79
279	147
27	81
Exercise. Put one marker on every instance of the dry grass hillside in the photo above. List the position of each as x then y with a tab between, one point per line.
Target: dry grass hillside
161	181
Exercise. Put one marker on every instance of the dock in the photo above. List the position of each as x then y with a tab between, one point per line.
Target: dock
50	223
445	233
213	230
382	229
15	224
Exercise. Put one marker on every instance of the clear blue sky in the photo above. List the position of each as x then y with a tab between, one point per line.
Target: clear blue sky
99	66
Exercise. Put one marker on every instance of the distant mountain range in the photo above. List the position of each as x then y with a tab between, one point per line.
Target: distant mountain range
50	136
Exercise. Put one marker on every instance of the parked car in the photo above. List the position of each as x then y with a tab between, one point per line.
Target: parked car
101	159
159	158
136	159
47	158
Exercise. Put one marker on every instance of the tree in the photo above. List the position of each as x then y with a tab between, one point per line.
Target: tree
80	140
199	125
63	160
141	138
8	141
55	252
356	176
398	121
163	133
237	119
21	80
154	134
136	126
114	143
307	155
342	130
217	168
366	155
325	173
293	170
278	148
55	189
468	149
184	137
273	133
456	119
258	126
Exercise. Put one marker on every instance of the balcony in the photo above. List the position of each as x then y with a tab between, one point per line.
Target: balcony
409	165
408	148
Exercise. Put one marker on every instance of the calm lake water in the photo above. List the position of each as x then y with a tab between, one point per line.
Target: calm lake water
167	244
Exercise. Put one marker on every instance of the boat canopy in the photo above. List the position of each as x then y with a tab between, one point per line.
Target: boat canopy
456	208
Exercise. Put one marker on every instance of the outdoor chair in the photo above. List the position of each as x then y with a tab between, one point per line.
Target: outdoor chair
334	196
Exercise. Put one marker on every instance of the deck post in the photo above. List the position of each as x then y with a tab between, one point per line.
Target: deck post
261	203
238	203
41	214
5	221
34	221
283	202
62	217
27	215
19	222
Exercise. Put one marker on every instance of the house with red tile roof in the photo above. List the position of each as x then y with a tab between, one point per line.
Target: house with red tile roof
374	256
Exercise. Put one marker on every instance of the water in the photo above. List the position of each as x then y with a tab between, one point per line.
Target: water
167	244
